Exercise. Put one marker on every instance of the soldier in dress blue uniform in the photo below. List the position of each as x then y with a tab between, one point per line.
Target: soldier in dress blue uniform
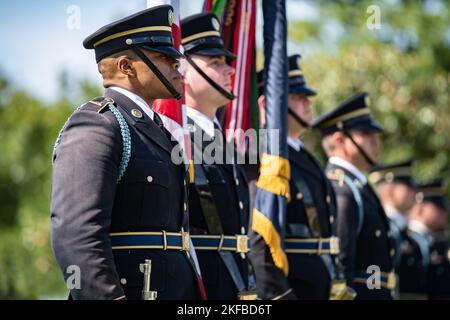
429	218
218	199
396	188
350	139
310	213
117	198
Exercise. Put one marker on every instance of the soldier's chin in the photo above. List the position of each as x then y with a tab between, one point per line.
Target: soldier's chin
178	85
309	119
374	158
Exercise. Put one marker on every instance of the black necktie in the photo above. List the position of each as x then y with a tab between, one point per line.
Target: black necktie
157	119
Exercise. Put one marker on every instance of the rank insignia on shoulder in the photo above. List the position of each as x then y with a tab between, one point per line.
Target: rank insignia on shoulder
102	103
337	175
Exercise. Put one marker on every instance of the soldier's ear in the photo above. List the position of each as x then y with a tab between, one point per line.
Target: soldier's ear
338	138
125	66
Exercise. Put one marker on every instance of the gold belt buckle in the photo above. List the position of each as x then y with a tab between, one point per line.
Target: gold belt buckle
241	243
334	245
185	241
340	291
392	280
247	295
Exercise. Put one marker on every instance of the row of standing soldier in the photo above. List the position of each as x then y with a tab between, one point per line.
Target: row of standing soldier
119	200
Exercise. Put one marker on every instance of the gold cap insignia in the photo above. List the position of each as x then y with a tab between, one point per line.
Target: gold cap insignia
419	197
170	17
367	100
389	177
215	24
298	62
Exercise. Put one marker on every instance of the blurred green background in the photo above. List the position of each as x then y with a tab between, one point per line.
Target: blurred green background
404	66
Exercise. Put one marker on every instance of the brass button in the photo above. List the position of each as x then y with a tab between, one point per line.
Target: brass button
136	113
377	233
123	281
150	179
299	196
392	252
328	199
241	205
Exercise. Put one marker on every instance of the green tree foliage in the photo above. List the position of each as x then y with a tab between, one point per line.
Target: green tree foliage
404	66
28	129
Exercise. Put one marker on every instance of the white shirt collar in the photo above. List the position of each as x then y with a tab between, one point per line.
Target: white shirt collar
420	228
397	217
350	167
205	123
136	99
296	144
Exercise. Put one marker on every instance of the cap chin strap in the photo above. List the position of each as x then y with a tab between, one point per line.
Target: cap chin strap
175	94
297	118
226	94
361	150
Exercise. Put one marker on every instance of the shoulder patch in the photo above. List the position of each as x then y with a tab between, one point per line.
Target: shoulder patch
337	175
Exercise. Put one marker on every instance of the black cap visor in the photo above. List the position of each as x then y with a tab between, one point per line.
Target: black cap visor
365	124
302	90
213	52
168	50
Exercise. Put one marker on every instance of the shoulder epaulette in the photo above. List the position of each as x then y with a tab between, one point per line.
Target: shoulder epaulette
337	175
102	103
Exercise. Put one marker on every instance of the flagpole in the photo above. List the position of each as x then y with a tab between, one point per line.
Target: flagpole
269	213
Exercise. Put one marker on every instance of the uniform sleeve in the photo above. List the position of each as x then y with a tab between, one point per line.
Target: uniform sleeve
346	230
85	170
270	280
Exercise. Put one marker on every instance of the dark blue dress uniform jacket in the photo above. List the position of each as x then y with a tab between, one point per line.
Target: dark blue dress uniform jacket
438	284
217	280
412	270
308	276
373	246
87	205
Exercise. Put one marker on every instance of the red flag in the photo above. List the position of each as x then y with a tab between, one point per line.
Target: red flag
171	108
173	114
238	19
